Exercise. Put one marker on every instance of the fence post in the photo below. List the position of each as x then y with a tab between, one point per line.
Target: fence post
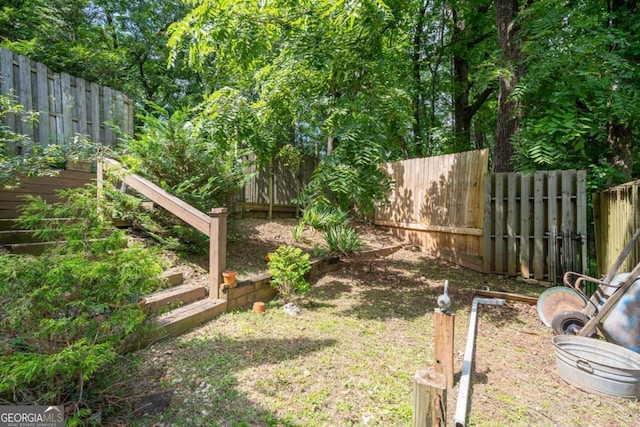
444	323
429	398
217	249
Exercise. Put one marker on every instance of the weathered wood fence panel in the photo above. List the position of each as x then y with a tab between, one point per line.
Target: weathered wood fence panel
436	203
280	192
616	213
67	105
45	187
535	225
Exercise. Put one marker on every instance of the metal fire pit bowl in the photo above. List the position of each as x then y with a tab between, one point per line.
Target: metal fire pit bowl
598	366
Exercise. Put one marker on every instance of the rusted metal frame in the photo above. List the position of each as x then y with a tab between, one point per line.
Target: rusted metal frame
591	325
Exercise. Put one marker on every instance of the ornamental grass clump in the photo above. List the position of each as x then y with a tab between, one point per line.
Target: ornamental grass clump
288	266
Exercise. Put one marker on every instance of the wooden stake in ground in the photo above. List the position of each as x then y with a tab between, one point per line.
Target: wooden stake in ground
444	322
429	398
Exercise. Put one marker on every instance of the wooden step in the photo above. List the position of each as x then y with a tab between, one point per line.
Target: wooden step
30	248
174	277
17	236
182	319
184	294
7	224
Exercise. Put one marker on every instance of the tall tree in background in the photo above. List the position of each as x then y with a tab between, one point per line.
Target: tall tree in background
568	116
509	107
624	18
121	44
328	75
472	43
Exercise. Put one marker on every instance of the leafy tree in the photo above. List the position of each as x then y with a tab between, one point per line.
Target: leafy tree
318	76
568	116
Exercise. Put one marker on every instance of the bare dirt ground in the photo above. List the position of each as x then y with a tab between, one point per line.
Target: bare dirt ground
349	357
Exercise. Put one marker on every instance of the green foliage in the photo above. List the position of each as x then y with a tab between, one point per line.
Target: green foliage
68	313
321	217
343	239
35	159
298	232
120	44
567	113
174	153
288	266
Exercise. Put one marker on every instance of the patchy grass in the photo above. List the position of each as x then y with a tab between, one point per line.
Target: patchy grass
348	358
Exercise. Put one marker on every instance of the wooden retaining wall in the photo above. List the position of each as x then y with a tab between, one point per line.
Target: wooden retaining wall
67	105
535	225
616	213
437	203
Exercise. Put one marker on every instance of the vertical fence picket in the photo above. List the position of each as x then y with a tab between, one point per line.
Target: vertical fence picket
67	106
487	225
525	225
581	215
81	103
539	226
94	108
24	92
42	97
512	223
7	84
499	222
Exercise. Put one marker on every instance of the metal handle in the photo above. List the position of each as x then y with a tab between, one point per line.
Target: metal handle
584	365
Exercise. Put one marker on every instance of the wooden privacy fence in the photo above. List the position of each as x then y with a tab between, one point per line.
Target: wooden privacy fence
535	225
616	213
67	105
436	203
273	188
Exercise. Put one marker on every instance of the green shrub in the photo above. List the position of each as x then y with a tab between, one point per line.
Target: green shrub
343	239
288	266
67	314
172	153
322	217
35	159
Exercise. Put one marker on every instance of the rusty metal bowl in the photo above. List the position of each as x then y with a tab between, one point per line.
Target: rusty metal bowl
558	299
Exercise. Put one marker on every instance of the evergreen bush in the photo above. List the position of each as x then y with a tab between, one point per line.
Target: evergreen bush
67	314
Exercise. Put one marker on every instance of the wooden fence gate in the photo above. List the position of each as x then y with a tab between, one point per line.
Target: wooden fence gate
535	225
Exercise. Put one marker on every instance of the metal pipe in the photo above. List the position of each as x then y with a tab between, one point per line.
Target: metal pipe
460	417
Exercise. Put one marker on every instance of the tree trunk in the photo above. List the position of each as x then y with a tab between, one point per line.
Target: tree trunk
620	135
620	141
417	78
509	110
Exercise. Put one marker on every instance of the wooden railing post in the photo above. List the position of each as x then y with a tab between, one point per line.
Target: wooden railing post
217	249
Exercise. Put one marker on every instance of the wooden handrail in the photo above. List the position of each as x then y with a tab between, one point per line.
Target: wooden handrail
213	224
184	211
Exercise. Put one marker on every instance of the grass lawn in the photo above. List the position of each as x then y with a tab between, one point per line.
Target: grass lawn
348	358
